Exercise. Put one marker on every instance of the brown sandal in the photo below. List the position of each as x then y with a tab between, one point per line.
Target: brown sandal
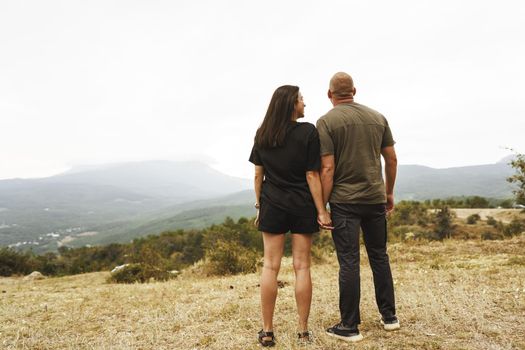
266	342
305	337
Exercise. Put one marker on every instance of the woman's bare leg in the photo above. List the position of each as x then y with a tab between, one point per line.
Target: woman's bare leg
301	246
273	252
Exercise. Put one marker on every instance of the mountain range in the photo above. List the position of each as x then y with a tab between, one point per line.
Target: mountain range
119	202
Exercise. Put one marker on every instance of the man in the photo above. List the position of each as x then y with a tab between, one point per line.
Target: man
353	137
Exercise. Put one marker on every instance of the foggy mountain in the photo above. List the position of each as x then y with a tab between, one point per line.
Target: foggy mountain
175	181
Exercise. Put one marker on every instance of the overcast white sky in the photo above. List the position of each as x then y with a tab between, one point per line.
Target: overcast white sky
85	82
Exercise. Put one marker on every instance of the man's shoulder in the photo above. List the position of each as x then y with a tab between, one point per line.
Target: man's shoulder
368	110
359	112
335	115
350	108
329	114
327	118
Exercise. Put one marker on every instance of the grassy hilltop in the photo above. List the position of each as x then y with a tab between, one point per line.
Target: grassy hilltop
450	295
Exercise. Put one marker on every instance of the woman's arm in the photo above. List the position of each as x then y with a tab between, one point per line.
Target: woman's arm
314	183
257	183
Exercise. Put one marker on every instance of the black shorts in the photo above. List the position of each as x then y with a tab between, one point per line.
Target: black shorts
275	220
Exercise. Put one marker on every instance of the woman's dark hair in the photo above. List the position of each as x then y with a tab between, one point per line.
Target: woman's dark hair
272	131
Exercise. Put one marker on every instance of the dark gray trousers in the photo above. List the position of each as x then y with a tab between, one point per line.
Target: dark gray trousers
347	220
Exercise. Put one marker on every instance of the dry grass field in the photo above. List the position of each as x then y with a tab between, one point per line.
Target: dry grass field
451	295
505	215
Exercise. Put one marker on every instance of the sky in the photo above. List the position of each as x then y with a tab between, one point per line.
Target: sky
93	82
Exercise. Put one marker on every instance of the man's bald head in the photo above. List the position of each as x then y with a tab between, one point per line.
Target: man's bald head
342	86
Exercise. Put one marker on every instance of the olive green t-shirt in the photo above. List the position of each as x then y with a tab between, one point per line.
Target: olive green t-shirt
355	135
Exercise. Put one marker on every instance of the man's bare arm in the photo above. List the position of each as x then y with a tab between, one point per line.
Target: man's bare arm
314	183
389	155
327	176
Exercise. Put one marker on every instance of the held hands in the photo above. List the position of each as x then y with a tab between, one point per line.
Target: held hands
324	220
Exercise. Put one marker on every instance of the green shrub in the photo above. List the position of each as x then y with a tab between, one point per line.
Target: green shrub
472	219
476	202
409	213
229	257
13	262
243	232
491	221
506	203
464	202
515	227
139	272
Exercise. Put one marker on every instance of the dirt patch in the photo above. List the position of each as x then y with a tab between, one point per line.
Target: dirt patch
65	240
87	234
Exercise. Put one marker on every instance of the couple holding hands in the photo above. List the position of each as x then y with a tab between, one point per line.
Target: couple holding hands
298	170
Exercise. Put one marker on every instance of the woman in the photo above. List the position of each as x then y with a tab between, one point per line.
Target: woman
288	198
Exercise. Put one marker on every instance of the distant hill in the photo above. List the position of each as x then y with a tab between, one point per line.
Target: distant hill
76	201
419	182
118	202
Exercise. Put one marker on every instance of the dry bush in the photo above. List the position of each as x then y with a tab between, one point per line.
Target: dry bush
322	247
409	232
491	235
491	221
321	255
139	272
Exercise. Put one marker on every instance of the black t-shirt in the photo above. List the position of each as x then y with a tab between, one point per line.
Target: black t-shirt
285	168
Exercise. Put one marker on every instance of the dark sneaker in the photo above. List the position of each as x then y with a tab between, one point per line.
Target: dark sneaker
341	331
390	323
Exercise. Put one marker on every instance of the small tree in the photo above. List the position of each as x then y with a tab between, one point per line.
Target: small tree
472	219
443	220
476	202
13	262
506	203
519	178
